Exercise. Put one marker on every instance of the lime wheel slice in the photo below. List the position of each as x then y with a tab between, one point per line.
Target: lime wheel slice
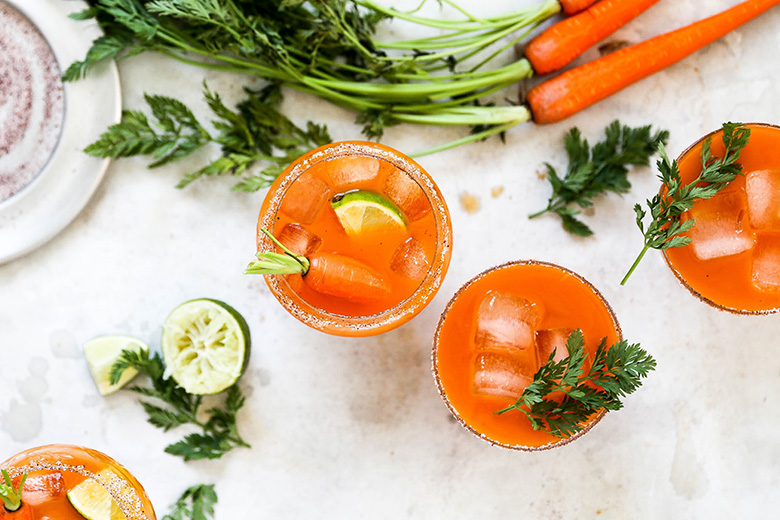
93	502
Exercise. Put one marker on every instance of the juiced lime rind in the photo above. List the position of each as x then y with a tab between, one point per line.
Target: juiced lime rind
205	346
350	208
93	502
102	352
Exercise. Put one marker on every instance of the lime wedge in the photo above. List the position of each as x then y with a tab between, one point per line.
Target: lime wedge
365	211
101	354
93	502
205	346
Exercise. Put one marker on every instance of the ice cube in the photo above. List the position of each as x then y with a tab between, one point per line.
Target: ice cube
766	263
406	194
499	375
506	323
304	198
410	260
552	340
718	230
40	487
763	198
345	173
299	240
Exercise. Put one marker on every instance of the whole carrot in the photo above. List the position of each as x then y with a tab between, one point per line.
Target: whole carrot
581	87
575	6
336	275
561	43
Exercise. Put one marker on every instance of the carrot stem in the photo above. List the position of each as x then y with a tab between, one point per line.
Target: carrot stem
583	86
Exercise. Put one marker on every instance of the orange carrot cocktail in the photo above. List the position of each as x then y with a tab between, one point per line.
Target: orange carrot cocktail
733	259
65	482
496	333
355	238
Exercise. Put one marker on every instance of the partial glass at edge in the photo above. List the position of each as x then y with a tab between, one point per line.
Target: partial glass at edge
77	465
725	283
454	340
338	324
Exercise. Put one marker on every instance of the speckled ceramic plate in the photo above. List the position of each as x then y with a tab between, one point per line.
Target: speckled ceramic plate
67	177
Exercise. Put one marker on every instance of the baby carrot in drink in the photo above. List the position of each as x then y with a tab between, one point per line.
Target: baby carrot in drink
354	238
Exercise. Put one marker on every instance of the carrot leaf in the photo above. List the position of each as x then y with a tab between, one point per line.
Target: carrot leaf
597	170
255	133
667	226
10	496
614	373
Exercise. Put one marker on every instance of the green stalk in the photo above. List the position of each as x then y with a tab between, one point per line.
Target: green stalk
11	496
468	139
636	263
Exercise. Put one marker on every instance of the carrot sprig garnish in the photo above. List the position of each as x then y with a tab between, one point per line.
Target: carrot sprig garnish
614	373
11	496
667	227
597	170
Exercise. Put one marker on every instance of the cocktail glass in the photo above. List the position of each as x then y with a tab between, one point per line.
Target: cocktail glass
495	333
733	261
57	469
412	261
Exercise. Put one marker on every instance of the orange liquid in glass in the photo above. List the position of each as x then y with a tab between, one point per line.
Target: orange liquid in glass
565	300
408	262
56	469
726	282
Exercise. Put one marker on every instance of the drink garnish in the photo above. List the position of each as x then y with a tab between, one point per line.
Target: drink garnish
667	226
615	372
11	496
93	501
219	431
365	211
597	170
196	503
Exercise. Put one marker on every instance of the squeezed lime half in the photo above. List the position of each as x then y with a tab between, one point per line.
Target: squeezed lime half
101	354
205	346
365	211
93	502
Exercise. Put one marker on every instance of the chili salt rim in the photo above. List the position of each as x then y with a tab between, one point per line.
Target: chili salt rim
321	319
678	275
54	198
440	387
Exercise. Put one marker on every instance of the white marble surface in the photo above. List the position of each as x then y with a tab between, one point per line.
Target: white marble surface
354	428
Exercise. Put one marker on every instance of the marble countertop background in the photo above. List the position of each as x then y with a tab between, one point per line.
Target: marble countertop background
354	428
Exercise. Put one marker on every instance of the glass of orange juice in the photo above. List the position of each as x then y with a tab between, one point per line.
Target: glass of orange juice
497	331
66	482
733	260
370	232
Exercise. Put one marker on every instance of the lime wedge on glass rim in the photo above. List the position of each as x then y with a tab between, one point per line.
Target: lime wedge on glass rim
362	211
93	502
102	352
205	346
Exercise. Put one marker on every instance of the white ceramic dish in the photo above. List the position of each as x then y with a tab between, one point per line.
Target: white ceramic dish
55	197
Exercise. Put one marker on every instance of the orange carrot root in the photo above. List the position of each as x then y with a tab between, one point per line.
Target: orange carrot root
563	42
575	6
345	277
581	87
